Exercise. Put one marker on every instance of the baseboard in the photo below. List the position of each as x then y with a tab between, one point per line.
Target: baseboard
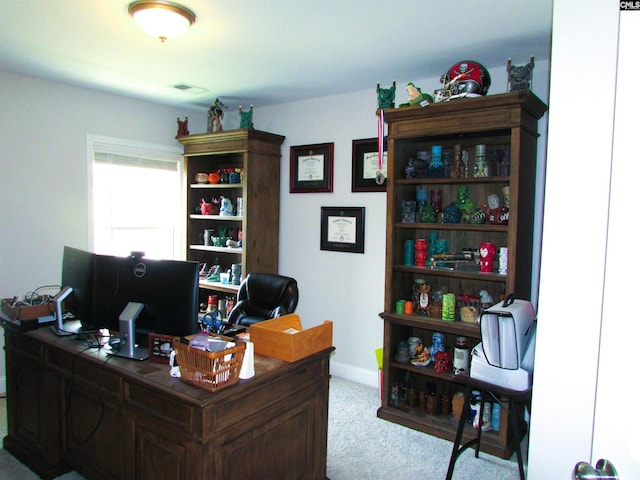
354	374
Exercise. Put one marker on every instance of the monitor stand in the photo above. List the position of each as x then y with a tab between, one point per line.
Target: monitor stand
61	328
68	328
128	348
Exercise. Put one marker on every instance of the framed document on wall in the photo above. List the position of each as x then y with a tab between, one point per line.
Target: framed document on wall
311	168
342	229
365	165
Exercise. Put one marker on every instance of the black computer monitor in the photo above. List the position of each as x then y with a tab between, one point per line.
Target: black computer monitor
77	273
167	288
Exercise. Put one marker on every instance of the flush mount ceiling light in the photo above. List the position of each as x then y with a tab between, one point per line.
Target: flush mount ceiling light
161	19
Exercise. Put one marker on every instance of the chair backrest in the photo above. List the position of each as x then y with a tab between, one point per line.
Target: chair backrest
268	291
262	296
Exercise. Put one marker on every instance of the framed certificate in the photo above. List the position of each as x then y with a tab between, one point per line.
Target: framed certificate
342	229
366	165
311	168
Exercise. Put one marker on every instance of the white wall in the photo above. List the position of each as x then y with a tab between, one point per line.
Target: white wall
348	288
43	174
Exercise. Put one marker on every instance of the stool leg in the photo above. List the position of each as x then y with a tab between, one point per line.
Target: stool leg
516	435
482	394
456	451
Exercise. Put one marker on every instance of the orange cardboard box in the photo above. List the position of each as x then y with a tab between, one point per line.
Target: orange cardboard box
284	338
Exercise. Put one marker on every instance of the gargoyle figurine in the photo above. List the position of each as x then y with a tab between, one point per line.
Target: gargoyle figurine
520	76
183	127
246	118
386	96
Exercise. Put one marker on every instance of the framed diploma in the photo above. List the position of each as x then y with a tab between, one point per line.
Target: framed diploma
366	165
311	168
342	229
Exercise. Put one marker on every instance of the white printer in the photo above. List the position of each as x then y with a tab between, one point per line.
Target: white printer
506	354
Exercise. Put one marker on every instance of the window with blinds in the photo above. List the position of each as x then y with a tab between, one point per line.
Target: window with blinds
137	201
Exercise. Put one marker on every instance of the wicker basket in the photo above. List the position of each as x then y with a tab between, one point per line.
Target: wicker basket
209	370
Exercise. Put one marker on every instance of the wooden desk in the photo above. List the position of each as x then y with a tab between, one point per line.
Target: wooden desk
114	418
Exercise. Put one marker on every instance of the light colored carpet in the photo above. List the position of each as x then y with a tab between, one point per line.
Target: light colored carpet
360	446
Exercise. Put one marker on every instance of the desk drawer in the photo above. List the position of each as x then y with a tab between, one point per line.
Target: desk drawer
24	346
85	374
168	410
260	398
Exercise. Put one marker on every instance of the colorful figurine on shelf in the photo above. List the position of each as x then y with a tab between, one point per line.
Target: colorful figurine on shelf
422	355
214	274
478	217
486	300
519	77
183	127
386	96
487	254
437	340
442	362
246	118
457	165
436	167
496	214
206	208
480	168
464	202
421	296
215	115
451	214
428	214
226	206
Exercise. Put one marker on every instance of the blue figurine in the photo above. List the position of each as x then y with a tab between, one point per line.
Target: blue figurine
437	340
452	214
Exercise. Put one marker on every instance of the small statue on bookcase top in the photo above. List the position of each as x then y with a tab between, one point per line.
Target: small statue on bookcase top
246	118
416	97
183	127
386	96
215	115
520	77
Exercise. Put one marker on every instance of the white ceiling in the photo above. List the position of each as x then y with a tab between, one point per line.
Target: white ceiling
264	52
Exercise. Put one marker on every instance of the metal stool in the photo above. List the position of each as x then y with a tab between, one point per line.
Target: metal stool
485	389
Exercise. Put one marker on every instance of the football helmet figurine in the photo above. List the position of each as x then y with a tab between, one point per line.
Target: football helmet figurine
464	79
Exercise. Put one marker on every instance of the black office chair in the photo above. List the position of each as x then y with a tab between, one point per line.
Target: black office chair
263	296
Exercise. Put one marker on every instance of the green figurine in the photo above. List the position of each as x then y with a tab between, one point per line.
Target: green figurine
416	97
428	214
246	118
386	96
464	202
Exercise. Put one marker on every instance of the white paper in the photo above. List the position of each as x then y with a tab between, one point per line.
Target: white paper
341	229
370	165
310	168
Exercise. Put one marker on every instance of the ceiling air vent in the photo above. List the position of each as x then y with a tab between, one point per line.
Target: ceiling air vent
190	88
